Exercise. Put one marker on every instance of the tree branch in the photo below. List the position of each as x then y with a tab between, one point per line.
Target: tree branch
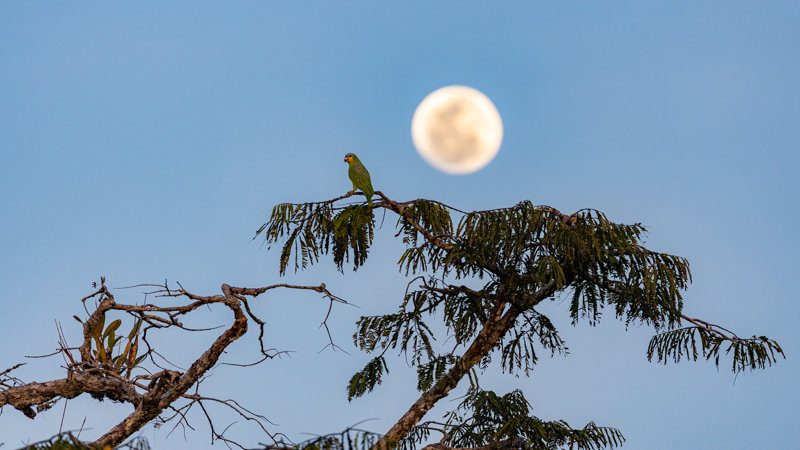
709	327
102	375
400	209
32	394
496	326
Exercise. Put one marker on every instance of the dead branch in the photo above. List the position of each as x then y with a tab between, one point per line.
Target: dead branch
104	372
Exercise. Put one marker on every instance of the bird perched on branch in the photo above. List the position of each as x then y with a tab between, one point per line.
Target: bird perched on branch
359	176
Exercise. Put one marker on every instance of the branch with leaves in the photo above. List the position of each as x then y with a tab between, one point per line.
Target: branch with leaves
112	366
757	352
483	274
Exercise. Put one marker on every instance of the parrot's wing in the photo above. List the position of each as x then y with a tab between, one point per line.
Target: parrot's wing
361	180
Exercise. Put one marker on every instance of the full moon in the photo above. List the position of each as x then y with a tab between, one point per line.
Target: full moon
457	130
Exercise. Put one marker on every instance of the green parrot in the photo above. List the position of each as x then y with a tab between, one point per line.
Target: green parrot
359	176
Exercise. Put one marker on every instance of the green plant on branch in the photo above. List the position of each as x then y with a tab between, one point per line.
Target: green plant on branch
484	278
105	343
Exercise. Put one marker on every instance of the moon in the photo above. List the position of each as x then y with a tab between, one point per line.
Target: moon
457	130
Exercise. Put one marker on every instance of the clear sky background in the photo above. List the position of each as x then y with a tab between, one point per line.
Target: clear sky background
143	142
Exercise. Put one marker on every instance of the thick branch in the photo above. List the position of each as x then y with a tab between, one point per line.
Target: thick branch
33	394
171	385
106	303
496	326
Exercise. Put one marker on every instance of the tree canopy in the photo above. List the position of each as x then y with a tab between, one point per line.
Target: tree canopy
520	257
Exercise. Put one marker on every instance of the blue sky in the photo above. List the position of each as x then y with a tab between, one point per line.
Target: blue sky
147	141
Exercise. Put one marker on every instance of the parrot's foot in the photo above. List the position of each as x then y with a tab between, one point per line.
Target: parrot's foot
351	193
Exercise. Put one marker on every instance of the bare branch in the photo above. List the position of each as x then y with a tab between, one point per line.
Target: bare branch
105	375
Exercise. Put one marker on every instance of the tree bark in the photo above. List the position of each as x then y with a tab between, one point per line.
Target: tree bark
32	394
495	327
170	385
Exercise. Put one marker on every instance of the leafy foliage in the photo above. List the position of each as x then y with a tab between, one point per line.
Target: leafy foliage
522	250
349	439
483	279
392	330
519	352
435	219
757	352
485	418
66	441
366	380
433	371
313	229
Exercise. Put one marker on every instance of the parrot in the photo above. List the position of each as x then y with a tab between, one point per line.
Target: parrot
359	176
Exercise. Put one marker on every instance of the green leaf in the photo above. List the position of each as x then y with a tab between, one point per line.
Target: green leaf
98	328
366	380
112	327
135	329
428	374
138	360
